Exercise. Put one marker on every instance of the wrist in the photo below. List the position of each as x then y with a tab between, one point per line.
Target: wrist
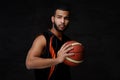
58	61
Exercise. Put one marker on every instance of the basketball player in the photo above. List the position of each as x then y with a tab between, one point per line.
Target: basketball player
47	52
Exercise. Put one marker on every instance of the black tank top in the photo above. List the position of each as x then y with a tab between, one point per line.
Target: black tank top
61	71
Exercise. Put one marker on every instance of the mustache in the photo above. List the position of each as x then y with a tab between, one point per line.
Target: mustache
62	25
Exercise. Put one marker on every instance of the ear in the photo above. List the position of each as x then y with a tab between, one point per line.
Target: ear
52	19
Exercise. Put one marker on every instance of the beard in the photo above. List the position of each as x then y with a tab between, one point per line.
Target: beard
56	27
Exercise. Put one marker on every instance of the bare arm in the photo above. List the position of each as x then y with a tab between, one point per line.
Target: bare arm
34	61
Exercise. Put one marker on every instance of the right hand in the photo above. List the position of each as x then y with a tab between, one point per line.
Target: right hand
63	52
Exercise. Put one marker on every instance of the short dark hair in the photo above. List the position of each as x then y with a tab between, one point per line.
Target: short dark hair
61	6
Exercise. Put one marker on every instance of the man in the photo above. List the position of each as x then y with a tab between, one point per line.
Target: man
47	53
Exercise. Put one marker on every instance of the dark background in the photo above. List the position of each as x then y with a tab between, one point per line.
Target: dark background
95	24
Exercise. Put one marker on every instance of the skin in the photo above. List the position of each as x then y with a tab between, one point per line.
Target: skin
60	22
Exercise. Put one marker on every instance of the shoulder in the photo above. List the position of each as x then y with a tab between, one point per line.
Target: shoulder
41	36
40	40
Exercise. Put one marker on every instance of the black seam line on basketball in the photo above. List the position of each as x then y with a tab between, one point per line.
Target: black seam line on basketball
76	43
75	61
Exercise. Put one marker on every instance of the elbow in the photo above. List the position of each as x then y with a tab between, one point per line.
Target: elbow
28	65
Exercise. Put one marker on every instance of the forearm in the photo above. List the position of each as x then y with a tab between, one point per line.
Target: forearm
39	63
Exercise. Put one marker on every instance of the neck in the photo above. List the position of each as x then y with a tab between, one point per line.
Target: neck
56	33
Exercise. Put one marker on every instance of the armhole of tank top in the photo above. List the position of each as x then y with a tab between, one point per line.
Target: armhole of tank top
46	35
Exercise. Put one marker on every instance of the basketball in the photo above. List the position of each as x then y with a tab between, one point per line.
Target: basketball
77	58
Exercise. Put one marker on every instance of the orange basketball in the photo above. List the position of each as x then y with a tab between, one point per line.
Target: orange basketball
77	58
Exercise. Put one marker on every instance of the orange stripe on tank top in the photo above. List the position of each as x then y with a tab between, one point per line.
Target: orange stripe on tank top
53	55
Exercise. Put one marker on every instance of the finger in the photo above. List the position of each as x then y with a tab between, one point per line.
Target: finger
69	54
68	49
65	45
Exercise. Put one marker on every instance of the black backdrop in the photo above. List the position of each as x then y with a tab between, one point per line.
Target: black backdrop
95	24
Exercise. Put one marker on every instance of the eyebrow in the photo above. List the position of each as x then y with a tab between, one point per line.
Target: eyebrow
61	15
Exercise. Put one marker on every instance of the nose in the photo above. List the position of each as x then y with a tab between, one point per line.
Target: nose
62	20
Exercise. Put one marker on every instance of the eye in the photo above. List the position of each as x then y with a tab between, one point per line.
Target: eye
67	18
59	17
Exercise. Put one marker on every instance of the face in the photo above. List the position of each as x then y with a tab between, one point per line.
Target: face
60	20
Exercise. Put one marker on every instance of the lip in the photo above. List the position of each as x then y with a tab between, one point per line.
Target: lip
62	27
